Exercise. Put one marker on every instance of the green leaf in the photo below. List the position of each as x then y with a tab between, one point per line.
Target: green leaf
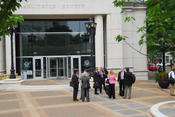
120	38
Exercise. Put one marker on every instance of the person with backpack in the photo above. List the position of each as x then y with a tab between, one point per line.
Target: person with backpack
129	80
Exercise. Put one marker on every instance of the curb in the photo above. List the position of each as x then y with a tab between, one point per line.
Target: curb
11	81
155	109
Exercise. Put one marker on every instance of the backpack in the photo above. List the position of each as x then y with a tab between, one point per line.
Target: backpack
133	78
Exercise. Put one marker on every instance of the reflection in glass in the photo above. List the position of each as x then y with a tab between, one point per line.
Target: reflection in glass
75	64
27	65
54	44
53	26
57	37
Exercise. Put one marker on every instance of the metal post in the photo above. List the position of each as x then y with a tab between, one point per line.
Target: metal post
90	26
12	71
91	38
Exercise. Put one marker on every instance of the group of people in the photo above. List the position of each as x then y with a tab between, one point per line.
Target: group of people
101	77
85	85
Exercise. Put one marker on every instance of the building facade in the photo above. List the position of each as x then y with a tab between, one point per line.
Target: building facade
52	40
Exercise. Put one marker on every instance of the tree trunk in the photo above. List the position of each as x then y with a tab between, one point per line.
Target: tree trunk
163	60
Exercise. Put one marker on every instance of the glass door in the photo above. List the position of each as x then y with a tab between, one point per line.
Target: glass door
53	67
60	68
37	67
75	64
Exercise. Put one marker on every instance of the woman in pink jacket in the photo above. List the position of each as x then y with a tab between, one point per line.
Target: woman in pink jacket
112	80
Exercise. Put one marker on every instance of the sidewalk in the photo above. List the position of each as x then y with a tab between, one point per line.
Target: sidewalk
56	101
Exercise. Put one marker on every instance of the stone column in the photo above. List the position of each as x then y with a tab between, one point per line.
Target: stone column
99	42
8	53
2	64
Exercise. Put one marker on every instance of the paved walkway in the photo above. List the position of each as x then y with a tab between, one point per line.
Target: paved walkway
56	101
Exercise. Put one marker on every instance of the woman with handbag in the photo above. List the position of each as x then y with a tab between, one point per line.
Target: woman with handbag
85	86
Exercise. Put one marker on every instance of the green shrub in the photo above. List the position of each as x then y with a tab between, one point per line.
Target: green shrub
161	76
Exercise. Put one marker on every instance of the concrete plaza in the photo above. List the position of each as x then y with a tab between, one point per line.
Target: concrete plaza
53	98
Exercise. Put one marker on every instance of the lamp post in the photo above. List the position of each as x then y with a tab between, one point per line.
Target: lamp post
12	70
91	27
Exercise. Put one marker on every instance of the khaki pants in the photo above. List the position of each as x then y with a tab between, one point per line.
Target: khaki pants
172	89
127	92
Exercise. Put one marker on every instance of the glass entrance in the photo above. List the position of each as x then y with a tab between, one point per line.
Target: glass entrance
37	67
75	64
58	67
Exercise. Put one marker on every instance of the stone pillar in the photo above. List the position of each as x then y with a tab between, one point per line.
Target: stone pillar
114	49
2	62
99	42
8	53
133	59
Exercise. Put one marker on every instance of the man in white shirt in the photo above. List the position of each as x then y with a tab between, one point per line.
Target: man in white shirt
172	81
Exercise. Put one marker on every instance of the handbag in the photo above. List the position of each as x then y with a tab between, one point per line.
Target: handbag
71	83
172	80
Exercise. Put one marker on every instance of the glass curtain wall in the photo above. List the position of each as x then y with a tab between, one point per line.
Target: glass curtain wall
51	38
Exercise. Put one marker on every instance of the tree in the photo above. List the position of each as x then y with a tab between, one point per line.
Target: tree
7	19
159	34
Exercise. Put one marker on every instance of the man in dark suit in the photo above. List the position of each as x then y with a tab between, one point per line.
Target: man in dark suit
121	78
75	81
102	79
96	79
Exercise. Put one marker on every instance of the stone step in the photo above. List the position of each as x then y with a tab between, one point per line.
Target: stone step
11	81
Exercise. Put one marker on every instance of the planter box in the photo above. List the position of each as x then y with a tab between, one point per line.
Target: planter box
164	84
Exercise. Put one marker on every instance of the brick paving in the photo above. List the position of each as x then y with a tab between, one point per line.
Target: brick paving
58	103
